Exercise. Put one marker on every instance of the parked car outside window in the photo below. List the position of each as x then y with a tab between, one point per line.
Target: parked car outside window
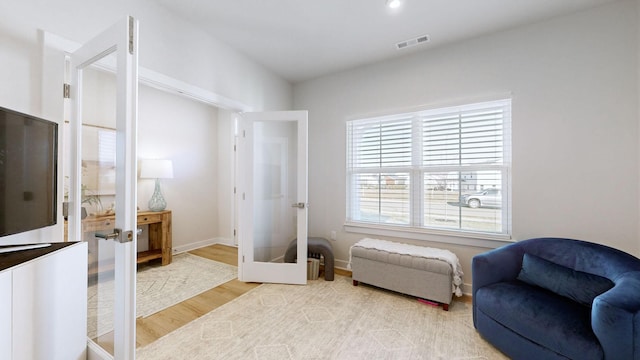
485	198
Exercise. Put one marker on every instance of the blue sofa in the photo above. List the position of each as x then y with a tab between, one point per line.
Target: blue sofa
551	298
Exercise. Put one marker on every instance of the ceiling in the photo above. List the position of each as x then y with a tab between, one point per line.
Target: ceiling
304	39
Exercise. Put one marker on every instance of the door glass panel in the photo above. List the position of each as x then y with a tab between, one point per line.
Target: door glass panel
97	98
275	219
98	192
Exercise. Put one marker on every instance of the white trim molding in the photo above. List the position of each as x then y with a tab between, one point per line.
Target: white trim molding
481	240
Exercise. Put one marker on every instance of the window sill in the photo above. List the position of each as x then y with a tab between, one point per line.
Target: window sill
482	240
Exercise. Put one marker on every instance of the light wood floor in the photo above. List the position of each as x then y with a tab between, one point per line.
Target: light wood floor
153	327
159	324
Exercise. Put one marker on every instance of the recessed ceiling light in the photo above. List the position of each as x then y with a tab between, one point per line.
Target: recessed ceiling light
394	4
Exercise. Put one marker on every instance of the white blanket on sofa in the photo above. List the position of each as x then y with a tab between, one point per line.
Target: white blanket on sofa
420	251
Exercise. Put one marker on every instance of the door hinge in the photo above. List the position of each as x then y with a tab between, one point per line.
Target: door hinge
234	232
131	23
234	148
66	91
244	133
234	189
242	258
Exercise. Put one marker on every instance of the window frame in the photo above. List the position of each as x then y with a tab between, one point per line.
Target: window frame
416	227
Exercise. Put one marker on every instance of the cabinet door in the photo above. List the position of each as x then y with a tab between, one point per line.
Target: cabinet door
50	306
5	314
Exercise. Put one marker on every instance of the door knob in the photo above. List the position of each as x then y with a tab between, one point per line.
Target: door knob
117	234
111	236
299	205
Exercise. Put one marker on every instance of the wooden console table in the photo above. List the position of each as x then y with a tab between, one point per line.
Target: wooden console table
160	241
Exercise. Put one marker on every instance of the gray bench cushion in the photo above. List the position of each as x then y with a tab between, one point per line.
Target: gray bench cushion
414	262
418	276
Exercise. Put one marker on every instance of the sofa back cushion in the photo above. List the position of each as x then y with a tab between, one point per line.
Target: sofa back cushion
579	286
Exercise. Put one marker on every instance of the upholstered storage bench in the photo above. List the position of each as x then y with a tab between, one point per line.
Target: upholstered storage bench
408	269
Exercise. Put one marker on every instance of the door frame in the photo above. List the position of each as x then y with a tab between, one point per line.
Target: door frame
52	79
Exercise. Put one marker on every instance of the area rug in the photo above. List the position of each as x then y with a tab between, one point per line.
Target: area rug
325	320
157	288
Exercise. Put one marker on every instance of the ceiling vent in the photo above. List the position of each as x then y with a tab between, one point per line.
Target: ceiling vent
412	42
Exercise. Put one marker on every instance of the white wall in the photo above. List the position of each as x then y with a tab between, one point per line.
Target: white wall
180	129
575	123
638	79
168	45
184	131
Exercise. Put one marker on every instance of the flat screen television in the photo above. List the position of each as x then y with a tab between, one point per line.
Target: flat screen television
28	172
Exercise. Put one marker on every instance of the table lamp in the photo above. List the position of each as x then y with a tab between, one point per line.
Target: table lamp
156	169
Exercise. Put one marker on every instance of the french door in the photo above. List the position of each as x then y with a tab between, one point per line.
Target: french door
102	182
272	196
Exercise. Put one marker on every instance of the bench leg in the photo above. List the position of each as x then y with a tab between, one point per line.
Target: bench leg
355	282
445	307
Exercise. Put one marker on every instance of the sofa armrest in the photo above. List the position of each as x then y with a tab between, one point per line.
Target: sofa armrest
498	265
501	264
615	318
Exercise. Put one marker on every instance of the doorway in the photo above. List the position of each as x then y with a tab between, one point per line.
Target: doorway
226	110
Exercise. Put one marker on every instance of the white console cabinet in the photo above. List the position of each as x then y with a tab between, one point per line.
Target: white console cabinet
5	315
43	304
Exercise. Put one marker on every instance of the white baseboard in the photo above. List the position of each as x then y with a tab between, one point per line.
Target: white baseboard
200	244
466	289
96	352
339	264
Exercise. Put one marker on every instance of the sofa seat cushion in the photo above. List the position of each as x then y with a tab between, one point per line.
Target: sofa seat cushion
543	317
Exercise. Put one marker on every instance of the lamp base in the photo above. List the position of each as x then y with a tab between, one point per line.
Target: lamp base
157	202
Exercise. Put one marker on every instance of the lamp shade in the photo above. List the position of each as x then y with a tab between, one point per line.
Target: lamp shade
156	169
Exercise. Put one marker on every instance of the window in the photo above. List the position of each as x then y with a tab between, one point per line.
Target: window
445	169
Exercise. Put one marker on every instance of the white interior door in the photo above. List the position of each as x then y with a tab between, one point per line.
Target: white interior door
272	196
102	180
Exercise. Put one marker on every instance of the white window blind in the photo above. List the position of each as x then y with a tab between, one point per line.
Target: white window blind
463	137
381	143
106	161
107	146
380	166
441	168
